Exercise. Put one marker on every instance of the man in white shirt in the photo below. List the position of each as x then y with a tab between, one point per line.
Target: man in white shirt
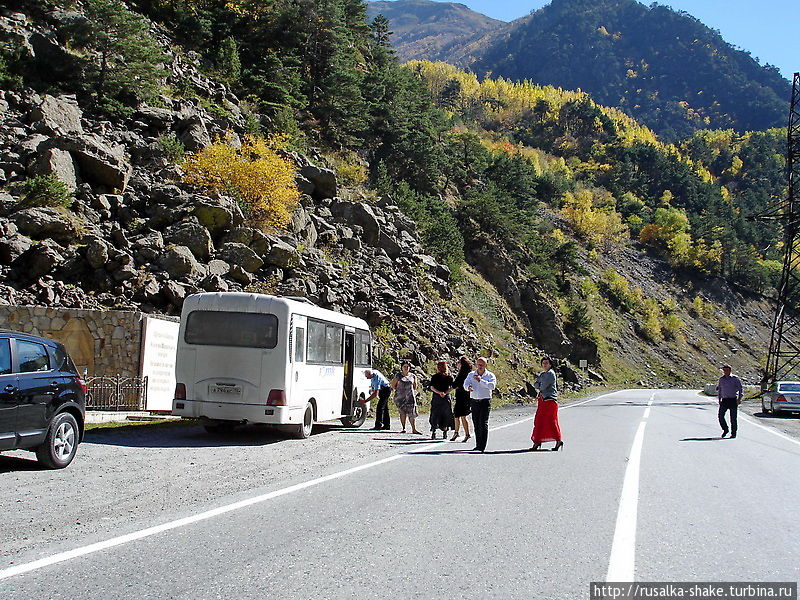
480	384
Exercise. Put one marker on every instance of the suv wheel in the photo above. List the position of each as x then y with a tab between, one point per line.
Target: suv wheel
61	442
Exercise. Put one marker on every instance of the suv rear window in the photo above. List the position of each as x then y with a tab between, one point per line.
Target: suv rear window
221	328
790	387
32	357
63	361
5	357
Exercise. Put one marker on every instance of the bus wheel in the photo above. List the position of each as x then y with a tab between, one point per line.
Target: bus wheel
304	429
357	418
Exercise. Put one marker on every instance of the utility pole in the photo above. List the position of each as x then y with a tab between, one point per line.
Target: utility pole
783	361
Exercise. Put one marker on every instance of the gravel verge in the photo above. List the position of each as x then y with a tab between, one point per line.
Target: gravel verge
783	422
124	479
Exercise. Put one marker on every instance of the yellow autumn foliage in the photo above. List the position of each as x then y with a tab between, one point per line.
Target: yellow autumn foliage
591	214
254	173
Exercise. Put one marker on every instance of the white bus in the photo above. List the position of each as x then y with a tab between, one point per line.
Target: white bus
254	358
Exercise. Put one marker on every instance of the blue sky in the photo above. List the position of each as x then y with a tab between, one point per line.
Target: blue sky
766	28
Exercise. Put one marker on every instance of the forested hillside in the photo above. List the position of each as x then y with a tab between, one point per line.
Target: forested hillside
663	67
282	147
430	29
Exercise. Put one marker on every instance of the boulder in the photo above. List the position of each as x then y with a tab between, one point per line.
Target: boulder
193	133
97	253
260	243
568	374
174	293
178	261
149	246
220	214
98	162
30	145
214	283
218	267
357	213
241	275
239	254
57	115
41	223
193	236
282	255
158	119
239	235
55	162
38	260
12	247
323	180
390	246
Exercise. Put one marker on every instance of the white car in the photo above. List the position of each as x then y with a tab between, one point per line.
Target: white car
784	397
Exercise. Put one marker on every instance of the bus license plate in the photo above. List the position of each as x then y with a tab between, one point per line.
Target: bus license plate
227	390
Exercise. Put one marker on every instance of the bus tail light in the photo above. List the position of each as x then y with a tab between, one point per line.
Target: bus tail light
180	391
276	398
781	398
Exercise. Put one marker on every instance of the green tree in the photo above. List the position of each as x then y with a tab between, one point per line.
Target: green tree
127	64
228	63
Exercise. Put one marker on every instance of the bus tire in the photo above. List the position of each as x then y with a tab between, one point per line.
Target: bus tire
303	430
357	418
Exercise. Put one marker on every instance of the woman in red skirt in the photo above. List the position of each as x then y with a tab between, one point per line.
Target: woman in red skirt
545	424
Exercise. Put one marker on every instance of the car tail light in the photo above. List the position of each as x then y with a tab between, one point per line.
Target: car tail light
276	398
82	383
781	398
180	391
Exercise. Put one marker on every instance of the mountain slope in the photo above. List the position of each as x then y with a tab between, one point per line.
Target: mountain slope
422	27
663	67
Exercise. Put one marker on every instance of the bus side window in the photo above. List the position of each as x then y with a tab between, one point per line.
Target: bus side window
299	344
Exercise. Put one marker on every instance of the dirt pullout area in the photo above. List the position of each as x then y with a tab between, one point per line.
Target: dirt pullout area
783	422
125	479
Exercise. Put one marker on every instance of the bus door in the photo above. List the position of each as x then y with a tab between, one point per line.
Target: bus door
349	362
298	358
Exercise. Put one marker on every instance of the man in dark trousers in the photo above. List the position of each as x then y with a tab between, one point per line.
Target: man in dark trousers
729	394
480	384
379	386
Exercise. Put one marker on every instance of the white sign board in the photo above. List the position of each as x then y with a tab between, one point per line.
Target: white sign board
159	347
584	364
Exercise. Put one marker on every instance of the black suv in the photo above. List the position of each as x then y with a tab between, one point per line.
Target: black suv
42	399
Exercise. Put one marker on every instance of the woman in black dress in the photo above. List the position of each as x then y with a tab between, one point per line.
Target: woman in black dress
462	407
441	410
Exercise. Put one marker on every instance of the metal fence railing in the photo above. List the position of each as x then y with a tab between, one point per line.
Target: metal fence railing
116	393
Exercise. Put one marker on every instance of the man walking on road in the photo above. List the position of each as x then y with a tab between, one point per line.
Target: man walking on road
480	384
729	394
379	386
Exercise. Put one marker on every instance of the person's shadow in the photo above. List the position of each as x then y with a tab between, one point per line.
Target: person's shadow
703	439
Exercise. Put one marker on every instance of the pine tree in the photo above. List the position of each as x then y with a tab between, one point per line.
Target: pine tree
127	65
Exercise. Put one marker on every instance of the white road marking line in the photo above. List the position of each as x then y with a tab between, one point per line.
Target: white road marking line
649	405
150	531
771	430
622	563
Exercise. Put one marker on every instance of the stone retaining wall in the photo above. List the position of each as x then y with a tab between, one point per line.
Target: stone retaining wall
102	342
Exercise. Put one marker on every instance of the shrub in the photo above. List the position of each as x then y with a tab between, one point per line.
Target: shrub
701	308
671	326
618	288
726	326
255	174
46	190
173	148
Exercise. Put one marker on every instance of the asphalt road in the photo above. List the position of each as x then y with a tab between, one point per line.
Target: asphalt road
424	520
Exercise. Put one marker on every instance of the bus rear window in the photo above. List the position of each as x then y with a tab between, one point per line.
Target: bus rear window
221	328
